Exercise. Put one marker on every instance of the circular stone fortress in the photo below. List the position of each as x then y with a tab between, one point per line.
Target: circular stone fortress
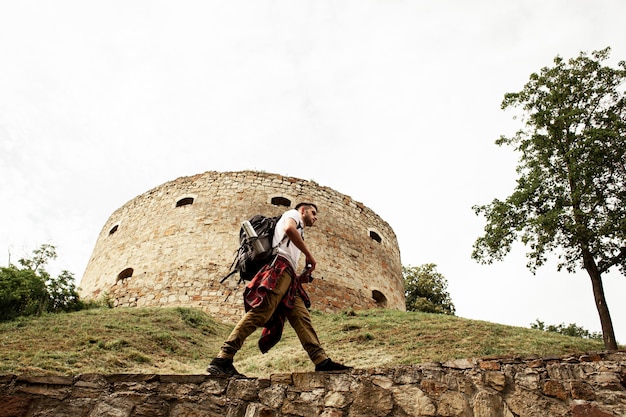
172	245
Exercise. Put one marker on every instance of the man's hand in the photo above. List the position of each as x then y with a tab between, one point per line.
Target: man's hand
310	263
306	277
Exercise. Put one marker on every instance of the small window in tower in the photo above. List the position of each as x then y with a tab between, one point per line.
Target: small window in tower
127	273
375	236
184	201
281	201
114	229
379	297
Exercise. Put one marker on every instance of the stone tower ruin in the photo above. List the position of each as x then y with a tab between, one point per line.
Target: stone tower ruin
172	245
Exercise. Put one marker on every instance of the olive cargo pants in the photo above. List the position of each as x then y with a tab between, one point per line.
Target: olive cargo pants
299	318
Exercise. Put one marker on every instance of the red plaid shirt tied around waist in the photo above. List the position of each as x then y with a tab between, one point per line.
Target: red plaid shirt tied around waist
266	281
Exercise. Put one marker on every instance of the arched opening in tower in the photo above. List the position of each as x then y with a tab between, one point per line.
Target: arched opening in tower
375	236
184	201
127	273
379	297
281	201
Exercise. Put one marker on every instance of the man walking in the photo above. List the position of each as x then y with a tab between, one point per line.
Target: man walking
276	293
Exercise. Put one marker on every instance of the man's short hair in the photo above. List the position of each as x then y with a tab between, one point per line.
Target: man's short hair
303	204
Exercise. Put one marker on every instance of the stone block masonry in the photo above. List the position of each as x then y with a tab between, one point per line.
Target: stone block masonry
172	245
591	385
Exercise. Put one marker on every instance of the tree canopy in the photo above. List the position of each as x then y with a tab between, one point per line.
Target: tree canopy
426	290
30	290
570	197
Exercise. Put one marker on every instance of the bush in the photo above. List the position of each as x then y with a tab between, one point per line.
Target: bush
22	293
425	290
571	330
30	290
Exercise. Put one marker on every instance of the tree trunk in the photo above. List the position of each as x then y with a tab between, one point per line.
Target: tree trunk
598	294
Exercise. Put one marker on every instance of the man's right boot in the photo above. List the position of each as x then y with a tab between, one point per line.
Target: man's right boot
223	367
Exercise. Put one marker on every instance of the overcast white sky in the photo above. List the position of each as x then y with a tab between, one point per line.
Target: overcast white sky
394	103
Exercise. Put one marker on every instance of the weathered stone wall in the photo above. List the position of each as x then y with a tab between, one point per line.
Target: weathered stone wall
156	251
587	386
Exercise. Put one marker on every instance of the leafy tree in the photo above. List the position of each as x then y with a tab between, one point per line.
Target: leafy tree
40	258
62	293
570	196
425	290
22	293
31	290
570	330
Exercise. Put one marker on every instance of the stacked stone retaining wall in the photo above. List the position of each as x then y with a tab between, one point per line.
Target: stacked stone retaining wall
585	386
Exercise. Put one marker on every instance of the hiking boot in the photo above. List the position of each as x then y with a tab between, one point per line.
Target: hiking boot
223	367
328	365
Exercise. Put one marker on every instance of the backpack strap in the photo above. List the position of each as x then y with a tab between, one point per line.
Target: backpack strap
234	269
228	276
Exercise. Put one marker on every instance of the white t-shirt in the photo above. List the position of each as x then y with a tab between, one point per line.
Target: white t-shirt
286	248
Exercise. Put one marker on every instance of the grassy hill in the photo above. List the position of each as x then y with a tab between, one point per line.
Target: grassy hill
184	340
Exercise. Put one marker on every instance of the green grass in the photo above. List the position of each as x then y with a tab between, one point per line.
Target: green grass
184	340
